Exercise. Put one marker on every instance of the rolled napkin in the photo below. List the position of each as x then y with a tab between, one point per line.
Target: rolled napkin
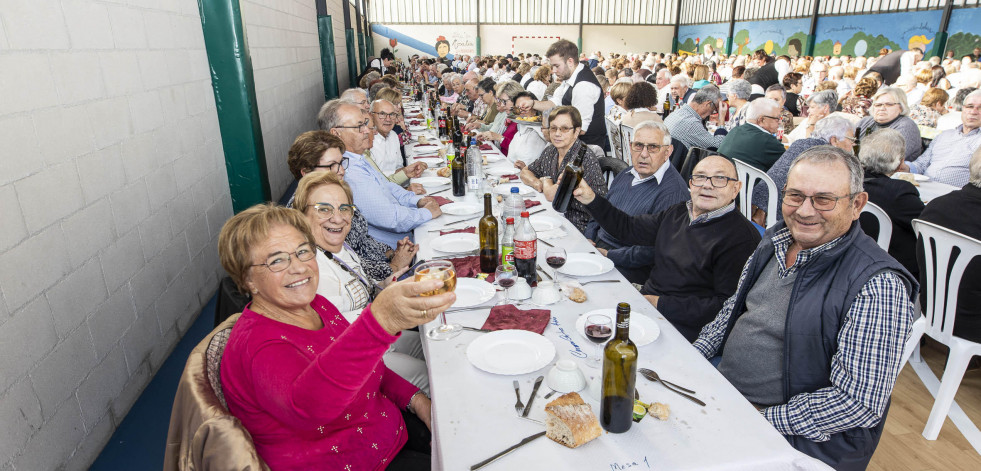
469	267
486	147
467	230
510	317
441	200
509	177
531	203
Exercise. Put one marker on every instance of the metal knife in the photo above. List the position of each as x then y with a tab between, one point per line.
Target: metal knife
444	190
546	243
534	391
447	257
536	211
520	444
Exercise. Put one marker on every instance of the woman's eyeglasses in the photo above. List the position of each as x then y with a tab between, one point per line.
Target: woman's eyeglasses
334	166
278	262
326	210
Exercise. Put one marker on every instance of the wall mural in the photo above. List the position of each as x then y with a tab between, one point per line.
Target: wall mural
865	35
692	38
962	31
775	37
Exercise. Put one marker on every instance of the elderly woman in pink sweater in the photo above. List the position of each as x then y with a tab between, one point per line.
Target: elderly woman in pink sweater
310	387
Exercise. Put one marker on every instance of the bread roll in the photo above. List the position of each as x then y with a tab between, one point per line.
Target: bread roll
570	421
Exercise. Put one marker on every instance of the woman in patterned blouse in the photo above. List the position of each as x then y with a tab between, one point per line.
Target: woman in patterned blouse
930	108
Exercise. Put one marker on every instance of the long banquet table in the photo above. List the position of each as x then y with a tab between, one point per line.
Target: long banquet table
473	411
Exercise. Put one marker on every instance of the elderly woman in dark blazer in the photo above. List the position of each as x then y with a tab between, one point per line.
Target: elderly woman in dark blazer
890	110
309	386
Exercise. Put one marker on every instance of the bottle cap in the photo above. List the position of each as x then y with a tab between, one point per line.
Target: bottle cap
510	221
514	189
524	214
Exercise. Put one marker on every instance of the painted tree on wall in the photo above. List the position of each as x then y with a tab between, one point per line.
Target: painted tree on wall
963	43
860	44
740	41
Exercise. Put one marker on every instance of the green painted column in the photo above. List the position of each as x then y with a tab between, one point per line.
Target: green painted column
939	45
362	52
238	114
674	45
328	58
352	57
809	47
478	46
729	46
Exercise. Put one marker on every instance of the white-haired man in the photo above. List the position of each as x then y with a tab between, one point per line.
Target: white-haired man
754	141
947	158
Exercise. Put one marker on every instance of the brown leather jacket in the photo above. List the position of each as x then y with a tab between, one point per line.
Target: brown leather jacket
203	435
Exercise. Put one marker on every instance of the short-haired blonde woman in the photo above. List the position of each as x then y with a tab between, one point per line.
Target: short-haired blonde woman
889	110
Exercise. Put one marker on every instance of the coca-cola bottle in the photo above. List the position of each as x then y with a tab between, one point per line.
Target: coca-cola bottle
526	250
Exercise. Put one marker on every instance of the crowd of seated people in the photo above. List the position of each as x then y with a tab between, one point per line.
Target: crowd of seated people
330	265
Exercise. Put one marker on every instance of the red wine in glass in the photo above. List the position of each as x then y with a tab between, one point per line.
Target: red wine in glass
598	333
555	262
506	282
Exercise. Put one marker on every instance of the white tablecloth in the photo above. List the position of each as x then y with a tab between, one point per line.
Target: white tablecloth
930	190
473	411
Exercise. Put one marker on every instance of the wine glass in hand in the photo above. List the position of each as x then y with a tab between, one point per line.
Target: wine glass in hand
440	270
599	329
506	276
555	257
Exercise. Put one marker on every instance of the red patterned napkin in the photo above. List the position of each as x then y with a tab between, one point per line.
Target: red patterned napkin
441	200
510	177
510	317
469	267
486	147
468	230
531	203
414	122
426	145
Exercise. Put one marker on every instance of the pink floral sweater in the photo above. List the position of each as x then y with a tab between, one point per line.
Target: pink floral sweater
318	399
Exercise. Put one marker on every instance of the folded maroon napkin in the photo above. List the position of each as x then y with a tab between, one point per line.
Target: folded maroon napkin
441	200
510	177
531	203
510	317
414	122
468	230
426	145
486	147
469	267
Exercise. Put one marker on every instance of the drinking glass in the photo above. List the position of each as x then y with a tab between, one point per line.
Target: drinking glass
555	257
440	270
506	276
599	329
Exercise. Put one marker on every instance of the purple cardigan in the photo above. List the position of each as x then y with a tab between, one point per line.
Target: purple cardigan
316	398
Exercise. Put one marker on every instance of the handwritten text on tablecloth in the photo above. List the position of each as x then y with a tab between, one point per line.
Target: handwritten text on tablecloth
576	350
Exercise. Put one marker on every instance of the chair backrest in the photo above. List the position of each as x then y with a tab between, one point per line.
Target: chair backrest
611	168
944	270
695	155
613	134
216	348
750	175
885	224
678	154
627	136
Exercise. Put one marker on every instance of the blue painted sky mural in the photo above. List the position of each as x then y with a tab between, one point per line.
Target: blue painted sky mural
866	34
963	31
774	37
711	33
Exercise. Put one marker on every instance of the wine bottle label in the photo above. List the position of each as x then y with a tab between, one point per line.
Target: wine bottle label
525	249
625	324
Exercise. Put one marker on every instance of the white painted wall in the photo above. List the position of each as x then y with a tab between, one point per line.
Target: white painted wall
285	50
112	193
627	38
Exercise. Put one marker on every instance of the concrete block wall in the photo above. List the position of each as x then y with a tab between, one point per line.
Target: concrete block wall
112	193
285	50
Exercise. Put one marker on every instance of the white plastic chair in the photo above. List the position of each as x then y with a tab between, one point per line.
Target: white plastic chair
616	140
749	175
941	288
626	137
885	224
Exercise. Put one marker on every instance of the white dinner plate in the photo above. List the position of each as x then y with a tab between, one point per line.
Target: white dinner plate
510	352
492	158
643	329
586	264
471	292
542	222
916	176
459	242
505	188
417	128
461	208
431	181
501	171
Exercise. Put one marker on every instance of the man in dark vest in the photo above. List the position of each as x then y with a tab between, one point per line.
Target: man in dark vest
814	335
579	89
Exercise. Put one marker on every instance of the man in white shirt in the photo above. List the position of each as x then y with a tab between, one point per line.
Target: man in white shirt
579	89
386	150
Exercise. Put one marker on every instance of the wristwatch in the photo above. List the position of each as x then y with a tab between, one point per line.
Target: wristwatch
408	406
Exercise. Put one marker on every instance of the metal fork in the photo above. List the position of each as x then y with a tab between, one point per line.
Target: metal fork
519	406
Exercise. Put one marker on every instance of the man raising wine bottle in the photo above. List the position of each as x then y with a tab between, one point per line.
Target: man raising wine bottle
565	126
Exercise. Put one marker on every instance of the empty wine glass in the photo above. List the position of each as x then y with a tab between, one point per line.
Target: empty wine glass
599	328
555	257
440	270
505	275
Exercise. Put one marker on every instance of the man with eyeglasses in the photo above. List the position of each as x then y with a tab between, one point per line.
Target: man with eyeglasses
698	246
814	334
391	211
753	142
688	123
386	150
356	96
650	186
949	154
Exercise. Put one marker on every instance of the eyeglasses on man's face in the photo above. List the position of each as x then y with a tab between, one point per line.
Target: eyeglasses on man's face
334	166
326	210
386	116
718	181
639	147
365	126
819	202
503	101
280	261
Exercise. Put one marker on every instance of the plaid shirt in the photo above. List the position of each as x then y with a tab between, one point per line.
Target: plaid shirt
863	370
706	217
